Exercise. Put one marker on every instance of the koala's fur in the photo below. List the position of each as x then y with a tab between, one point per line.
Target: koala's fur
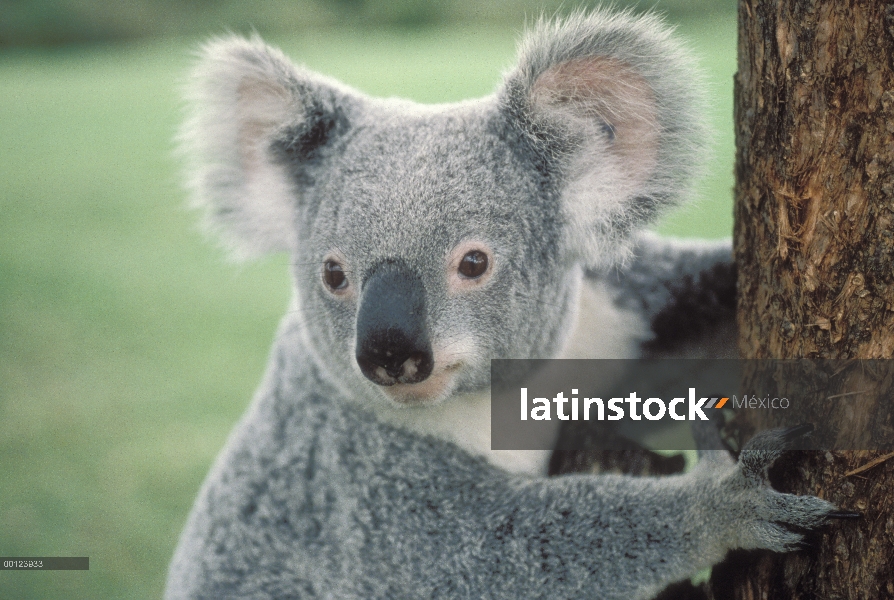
342	482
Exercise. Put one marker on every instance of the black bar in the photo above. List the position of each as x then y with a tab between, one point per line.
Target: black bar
44	563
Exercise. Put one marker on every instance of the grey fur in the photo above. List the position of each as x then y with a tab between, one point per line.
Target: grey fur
330	487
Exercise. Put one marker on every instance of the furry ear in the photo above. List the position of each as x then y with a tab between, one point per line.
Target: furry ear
252	112
613	107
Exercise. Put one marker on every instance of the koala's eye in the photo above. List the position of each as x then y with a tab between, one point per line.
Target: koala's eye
473	264
334	275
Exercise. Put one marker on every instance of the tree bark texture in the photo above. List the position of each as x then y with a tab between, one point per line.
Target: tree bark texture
814	247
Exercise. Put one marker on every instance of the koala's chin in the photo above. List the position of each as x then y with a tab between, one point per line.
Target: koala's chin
436	388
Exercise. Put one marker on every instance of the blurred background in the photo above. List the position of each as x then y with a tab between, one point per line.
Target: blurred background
129	346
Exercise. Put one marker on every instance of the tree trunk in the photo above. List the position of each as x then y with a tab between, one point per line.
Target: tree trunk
814	247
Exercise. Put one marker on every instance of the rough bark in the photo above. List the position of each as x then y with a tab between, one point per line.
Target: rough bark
814	246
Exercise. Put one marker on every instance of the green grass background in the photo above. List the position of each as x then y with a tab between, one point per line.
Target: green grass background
129	346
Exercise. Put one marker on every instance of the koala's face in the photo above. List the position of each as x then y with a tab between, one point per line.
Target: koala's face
427	240
419	264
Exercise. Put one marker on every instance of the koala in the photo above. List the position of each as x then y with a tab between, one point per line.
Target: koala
425	241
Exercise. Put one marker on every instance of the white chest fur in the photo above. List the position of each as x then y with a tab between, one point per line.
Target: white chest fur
465	421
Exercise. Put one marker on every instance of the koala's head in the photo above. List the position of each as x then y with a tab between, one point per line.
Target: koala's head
426	240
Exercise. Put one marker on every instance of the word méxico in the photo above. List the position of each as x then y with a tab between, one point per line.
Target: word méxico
653	409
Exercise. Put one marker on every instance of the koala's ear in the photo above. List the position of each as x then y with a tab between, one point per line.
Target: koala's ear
612	106
251	111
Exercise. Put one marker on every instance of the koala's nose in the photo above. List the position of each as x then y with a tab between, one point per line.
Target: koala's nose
393	358
392	338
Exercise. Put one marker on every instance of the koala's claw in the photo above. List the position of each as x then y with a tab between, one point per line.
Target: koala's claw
781	519
793	433
806	512
777	537
778	520
762	450
843	514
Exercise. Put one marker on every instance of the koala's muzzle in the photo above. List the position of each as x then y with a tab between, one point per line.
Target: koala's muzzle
392	339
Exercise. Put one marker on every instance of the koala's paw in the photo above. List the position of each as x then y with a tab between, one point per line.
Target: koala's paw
771	519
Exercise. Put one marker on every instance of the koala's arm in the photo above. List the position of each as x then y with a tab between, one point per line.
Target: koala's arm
315	498
683	290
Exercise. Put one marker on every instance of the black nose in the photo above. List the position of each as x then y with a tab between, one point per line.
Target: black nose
392	338
394	358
